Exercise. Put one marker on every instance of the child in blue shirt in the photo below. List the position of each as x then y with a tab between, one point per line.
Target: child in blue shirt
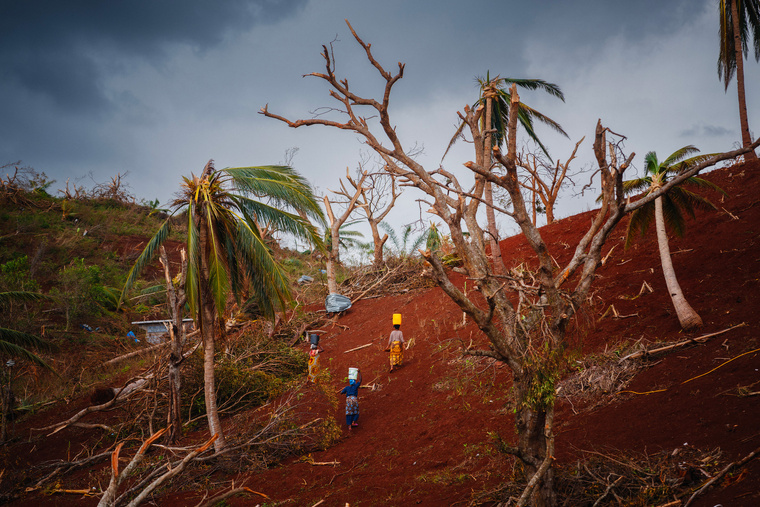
352	401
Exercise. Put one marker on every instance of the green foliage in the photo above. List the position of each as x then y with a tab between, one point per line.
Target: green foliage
15	275
249	374
405	246
542	372
81	291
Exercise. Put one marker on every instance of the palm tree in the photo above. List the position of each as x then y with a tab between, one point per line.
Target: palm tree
405	246
15	343
668	212
737	19
496	98
226	251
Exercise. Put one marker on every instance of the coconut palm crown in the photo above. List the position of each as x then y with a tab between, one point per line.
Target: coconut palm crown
677	201
226	207
495	93
497	90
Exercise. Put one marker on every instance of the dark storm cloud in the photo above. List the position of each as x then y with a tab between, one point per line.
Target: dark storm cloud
706	131
59	50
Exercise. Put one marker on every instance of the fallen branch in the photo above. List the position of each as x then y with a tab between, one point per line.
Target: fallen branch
121	394
85	492
115	360
699	339
357	298
171	473
357	348
117	478
214	500
722	473
346	472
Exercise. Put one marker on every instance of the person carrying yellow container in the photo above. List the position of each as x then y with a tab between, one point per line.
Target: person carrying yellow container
396	343
313	364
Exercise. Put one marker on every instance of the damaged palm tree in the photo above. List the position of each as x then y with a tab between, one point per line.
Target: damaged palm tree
525	314
226	252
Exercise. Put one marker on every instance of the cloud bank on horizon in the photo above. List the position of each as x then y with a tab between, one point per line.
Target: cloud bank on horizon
155	89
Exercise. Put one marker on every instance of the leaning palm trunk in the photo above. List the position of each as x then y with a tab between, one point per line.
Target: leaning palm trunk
688	318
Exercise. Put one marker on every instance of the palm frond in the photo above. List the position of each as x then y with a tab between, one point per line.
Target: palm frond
13	343
672	214
216	257
639	223
679	155
281	184
268	282
281	220
146	256
192	286
21	297
637	186
537	84
688	201
651	164
702	183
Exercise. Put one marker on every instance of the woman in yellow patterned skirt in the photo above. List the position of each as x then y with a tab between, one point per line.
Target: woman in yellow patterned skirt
313	361
396	346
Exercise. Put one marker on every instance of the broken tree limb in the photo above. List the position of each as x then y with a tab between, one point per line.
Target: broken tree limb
699	339
357	348
215	500
145	350
122	393
107	500
357	298
171	472
749	457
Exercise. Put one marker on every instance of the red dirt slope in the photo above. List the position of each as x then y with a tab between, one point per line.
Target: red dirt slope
425	434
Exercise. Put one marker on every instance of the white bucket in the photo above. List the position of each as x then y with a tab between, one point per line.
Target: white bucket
353	373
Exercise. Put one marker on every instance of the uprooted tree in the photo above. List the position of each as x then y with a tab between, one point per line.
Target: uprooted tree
526	313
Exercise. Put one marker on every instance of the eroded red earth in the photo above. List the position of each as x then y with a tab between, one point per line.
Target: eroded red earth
425	430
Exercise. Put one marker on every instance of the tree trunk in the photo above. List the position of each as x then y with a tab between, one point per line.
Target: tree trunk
175	386
688	318
746	137
379	243
332	261
207	314
532	447
493	233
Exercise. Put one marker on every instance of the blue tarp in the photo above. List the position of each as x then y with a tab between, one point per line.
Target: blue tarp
335	303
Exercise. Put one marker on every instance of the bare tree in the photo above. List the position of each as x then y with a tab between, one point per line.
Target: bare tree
378	197
524	314
176	300
545	181
336	222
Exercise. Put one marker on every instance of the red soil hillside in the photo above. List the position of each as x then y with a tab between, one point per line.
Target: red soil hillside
426	431
419	444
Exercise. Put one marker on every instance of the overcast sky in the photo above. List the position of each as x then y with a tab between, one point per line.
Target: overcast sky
157	88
